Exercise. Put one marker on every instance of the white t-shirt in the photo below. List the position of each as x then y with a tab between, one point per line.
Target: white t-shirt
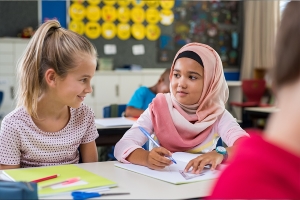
22	142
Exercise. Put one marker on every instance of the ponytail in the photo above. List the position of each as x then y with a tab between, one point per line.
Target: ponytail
50	47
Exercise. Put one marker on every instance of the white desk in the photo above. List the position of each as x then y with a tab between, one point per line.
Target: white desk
268	110
110	135
253	113
143	187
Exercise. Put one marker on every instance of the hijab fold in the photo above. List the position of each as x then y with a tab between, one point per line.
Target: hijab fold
181	127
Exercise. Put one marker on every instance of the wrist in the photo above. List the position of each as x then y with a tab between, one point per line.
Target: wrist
221	150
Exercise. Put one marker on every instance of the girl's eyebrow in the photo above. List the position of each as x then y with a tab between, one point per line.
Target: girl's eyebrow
85	75
191	72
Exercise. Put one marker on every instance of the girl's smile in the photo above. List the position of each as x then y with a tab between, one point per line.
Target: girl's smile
81	97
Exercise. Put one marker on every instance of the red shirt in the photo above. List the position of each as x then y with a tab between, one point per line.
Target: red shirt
260	170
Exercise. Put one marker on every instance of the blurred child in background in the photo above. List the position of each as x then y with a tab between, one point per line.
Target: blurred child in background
143	96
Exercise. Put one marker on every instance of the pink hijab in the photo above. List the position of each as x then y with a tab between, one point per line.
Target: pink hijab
174	123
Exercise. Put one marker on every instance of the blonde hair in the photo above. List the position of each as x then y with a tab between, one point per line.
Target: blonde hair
51	47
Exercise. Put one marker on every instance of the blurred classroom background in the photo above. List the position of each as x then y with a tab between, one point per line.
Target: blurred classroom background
136	40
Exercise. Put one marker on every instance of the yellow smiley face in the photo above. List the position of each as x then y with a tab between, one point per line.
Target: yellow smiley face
123	31
109	13
93	2
152	16
138	31
123	14
109	2
93	13
77	27
139	3
123	2
77	11
92	30
167	4
152	3
166	17
152	32
137	15
108	30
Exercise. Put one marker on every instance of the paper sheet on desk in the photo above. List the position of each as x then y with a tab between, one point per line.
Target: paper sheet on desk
115	121
172	174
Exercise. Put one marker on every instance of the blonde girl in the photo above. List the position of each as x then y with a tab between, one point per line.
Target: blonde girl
51	122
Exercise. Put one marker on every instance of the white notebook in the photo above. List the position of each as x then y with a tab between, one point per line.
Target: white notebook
173	173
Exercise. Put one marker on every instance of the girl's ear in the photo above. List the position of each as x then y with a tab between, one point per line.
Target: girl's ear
50	77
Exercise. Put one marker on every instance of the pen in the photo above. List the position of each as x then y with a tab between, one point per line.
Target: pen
155	143
45	178
65	182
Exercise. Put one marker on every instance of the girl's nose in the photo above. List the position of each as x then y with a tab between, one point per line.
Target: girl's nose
89	89
182	83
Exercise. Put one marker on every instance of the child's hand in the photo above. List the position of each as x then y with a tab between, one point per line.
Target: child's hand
213	158
157	158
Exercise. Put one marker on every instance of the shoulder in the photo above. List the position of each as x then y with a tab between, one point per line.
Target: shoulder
83	111
14	123
226	116
16	116
143	89
226	120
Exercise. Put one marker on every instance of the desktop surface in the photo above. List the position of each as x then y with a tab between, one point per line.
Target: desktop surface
140	186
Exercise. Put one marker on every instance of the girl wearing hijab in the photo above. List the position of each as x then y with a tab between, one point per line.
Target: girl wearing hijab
191	118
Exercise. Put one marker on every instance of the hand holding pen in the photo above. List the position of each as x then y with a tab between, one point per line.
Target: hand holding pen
159	157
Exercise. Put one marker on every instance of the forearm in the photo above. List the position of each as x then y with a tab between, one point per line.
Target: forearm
133	112
138	157
3	167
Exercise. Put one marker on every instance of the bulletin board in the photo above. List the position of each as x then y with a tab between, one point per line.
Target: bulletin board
215	23
193	21
93	27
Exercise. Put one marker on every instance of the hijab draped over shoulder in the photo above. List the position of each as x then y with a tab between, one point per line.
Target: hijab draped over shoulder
181	127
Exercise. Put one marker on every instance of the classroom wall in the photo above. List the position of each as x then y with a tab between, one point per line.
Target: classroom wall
15	15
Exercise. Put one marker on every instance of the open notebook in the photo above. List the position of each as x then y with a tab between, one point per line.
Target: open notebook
173	173
87	179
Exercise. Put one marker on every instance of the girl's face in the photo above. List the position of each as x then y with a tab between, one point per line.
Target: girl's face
187	81
73	88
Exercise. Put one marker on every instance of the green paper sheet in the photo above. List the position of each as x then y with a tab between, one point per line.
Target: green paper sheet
65	172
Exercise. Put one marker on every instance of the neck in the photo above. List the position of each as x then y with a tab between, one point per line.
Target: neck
189	109
50	108
283	127
153	89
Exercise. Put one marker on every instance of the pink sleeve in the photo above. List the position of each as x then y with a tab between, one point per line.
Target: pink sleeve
133	138
229	129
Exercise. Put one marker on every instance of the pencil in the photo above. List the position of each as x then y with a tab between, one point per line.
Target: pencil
45	178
